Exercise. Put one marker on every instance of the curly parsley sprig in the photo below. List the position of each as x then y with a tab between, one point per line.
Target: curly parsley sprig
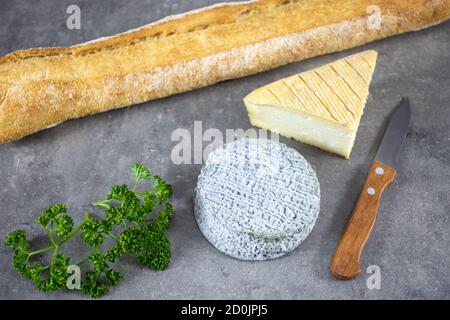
136	221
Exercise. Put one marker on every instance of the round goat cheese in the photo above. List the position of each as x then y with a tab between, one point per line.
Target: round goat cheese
256	199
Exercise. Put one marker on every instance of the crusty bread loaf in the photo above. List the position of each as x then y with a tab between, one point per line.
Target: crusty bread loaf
40	88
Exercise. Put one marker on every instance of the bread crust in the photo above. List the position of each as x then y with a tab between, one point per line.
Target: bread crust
42	87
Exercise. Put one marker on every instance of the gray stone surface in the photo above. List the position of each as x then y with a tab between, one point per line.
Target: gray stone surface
78	161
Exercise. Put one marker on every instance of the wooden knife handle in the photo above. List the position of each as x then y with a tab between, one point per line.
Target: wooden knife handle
345	263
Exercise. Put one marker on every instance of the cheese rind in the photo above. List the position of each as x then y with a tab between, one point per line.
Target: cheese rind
321	107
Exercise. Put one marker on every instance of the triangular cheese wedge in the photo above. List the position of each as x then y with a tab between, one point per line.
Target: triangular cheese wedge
321	107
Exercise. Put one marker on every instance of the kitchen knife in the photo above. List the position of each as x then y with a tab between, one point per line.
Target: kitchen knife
345	263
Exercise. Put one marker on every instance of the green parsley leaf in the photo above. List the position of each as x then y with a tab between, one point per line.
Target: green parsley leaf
99	261
92	286
113	277
140	171
163	189
49	214
64	225
156	250
17	239
93	231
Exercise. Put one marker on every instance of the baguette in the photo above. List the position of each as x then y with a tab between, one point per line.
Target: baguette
40	88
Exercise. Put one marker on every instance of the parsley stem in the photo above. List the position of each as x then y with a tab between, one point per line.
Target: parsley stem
135	184
52	262
102	204
41	250
83	261
50	235
112	235
74	231
54	244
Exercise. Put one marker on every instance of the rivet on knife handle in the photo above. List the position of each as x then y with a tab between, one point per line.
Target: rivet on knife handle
345	263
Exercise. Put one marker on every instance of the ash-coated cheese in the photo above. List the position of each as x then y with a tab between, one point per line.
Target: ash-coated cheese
256	199
245	246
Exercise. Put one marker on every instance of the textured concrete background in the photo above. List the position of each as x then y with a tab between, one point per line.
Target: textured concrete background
78	161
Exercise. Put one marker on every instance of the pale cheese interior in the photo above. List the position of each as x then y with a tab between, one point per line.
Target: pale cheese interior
321	107
303	127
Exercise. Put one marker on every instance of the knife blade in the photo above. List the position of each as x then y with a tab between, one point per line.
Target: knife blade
396	130
345	263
